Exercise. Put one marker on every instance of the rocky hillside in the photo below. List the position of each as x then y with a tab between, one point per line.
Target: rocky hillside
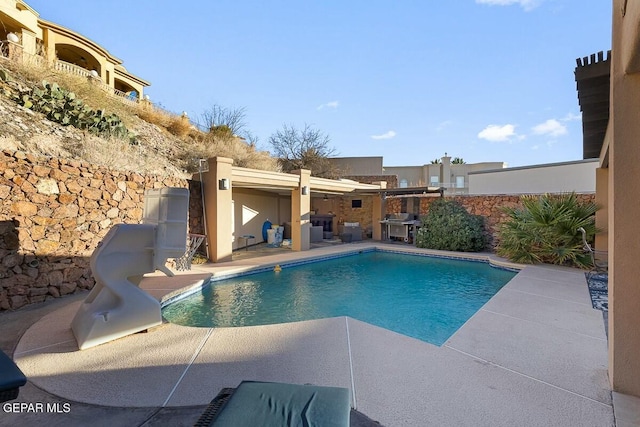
23	130
157	149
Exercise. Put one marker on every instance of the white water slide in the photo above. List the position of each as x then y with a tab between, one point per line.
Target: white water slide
116	306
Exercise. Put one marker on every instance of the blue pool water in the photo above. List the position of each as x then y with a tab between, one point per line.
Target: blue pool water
422	297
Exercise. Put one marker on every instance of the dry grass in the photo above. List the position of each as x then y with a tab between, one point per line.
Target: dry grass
243	154
120	155
180	127
153	115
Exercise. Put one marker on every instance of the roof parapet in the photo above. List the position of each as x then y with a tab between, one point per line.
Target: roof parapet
593	59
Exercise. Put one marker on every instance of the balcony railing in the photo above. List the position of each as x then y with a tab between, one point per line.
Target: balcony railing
69	68
451	187
4	50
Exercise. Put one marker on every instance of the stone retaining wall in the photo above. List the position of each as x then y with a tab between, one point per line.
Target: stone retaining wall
54	212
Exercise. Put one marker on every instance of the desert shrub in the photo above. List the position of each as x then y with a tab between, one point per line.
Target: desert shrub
221	132
179	126
62	106
448	226
544	230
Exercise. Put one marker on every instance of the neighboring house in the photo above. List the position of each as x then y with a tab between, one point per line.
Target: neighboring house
578	176
453	177
24	35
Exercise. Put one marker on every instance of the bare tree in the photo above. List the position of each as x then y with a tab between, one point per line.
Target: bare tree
224	121
303	149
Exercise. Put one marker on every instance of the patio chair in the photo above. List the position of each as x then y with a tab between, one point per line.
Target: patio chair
599	259
11	378
278	404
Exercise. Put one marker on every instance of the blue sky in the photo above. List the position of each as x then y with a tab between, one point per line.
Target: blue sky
485	80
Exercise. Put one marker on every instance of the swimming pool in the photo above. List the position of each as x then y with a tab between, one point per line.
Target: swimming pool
423	297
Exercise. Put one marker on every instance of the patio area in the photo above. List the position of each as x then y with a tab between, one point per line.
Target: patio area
534	355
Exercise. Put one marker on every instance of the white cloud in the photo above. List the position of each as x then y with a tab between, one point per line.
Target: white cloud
387	135
527	5
332	104
570	117
551	127
496	133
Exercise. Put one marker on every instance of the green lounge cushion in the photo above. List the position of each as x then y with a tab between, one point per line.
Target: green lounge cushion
277	404
11	377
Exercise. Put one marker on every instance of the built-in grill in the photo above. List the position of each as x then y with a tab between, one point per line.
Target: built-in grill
402	226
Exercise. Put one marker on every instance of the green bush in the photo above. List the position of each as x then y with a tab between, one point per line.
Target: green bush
61	106
544	230
448	226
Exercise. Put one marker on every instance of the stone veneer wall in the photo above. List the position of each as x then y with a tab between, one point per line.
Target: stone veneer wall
346	213
53	214
488	206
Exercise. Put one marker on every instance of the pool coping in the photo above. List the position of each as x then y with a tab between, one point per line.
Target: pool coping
536	344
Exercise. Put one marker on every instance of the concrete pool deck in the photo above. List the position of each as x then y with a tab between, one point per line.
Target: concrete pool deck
535	354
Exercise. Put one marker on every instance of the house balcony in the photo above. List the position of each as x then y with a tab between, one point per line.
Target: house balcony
451	187
13	52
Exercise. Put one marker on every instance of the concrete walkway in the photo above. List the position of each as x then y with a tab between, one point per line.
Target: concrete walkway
534	355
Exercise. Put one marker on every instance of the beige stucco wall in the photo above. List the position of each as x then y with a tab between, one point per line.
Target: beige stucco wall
602	216
358	165
578	176
18	12
284	209
251	208
412	174
219	208
624	200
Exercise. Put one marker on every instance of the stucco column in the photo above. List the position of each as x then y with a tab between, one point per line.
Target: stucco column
446	172
602	217
300	213
49	44
377	212
624	203
218	204
28	41
425	175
